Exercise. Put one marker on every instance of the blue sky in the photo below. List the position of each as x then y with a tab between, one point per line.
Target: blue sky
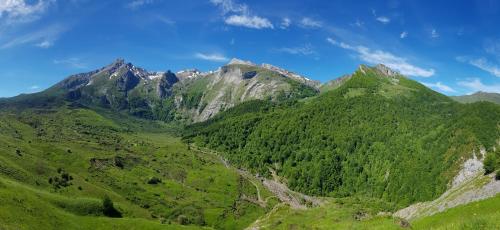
452	48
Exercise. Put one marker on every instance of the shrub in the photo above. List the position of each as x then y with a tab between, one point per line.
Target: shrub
109	209
497	175
154	180
489	163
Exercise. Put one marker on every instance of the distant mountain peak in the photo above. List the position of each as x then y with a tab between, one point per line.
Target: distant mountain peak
292	75
380	68
386	70
236	61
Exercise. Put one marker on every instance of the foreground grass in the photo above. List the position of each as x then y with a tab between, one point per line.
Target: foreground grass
483	214
28	208
335	214
362	214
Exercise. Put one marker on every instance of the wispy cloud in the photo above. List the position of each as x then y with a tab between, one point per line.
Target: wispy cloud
381	57
34	87
71	62
357	23
212	57
305	50
240	15
492	47
481	63
440	86
403	35
434	33
21	11
138	3
285	23
253	22
164	20
229	6
43	38
383	19
475	84
307	22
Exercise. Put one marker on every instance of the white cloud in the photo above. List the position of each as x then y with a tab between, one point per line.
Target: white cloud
475	84
45	44
492	47
34	87
43	38
253	22
403	35
481	63
229	6
440	86
138	3
383	19
211	57
310	23
19	11
285	23
164	20
71	62
241	15
358	23
305	50
381	57
434	33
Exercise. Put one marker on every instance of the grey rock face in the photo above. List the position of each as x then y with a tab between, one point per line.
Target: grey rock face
127	81
165	84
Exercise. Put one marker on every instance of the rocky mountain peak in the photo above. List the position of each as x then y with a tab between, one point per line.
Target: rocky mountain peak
379	68
189	73
386	70
292	75
236	61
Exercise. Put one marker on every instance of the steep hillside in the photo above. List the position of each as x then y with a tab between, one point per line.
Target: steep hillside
57	165
478	96
377	134
187	96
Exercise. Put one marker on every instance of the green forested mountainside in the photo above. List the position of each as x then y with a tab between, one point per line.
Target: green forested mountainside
378	135
478	96
57	164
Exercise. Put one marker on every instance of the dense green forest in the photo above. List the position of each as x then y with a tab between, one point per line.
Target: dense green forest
381	136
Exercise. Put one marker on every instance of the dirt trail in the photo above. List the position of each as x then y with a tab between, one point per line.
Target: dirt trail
296	200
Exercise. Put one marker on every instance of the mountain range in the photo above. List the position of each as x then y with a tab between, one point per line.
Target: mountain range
247	146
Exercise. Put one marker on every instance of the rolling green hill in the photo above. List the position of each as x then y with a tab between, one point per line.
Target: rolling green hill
478	96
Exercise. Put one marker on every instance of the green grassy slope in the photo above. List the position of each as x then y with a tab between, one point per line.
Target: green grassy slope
57	164
364	214
349	213
483	214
